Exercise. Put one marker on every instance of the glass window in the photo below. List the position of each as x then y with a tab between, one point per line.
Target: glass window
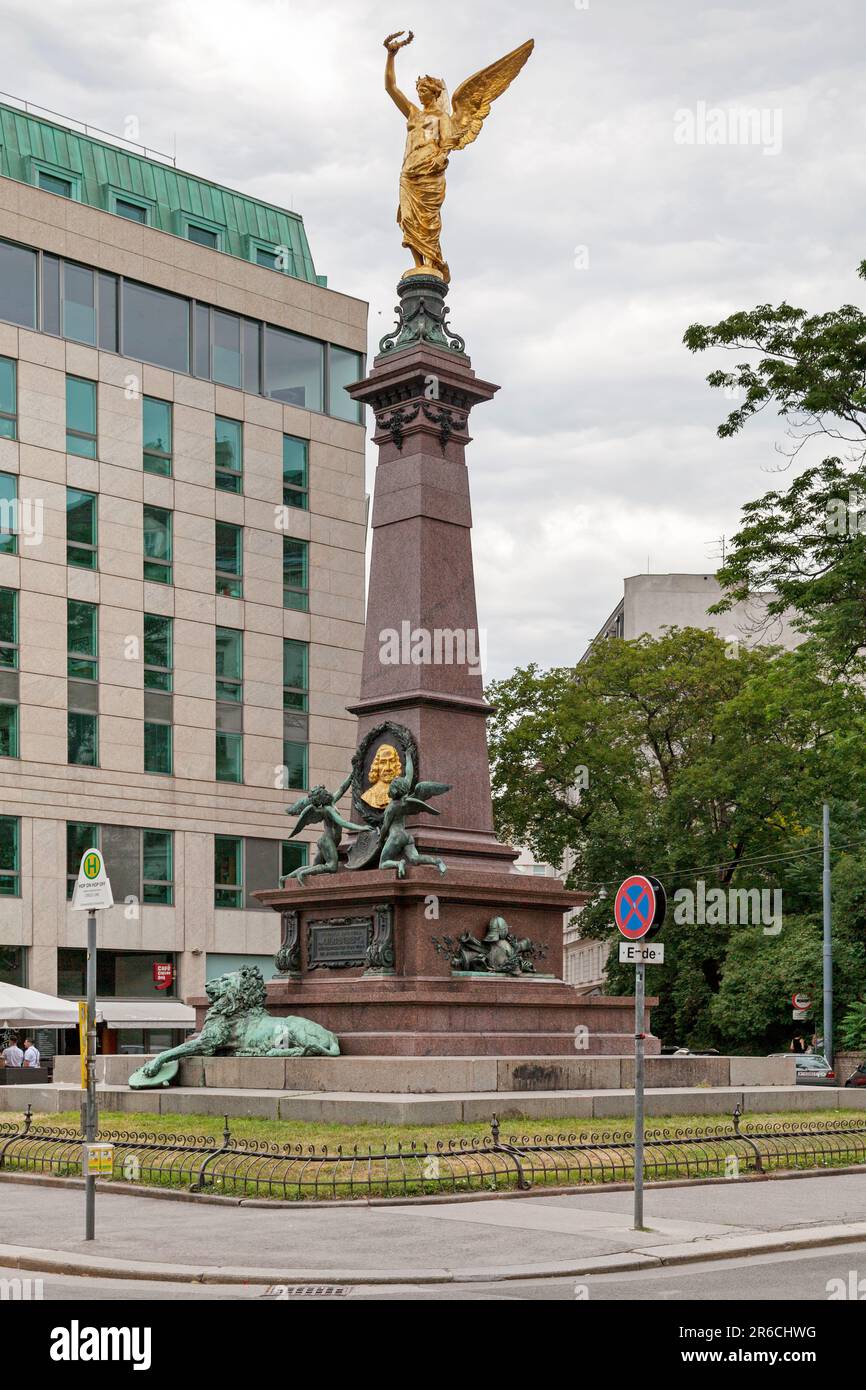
293	368
226	348
8	629
9	856
79	837
155	326
293	855
135	212
252	356
79	303
156	421
81	417
203	236
201	322
82	739
52	183
158	747
17	284
157	867
344	368
295	763
107	312
295	574
229	664
158	655
8	514
229	452
228	871
50	295
266	258
81	529
295	674
8	729
295	481
8	398
229	560
82	640
157	545
229	757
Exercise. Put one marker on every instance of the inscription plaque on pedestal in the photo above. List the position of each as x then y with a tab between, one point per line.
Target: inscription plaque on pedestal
338	943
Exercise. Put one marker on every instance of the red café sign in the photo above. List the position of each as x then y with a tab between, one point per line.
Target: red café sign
163	974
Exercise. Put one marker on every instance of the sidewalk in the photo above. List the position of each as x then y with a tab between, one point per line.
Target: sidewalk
42	1226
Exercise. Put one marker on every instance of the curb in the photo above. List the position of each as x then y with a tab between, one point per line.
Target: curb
652	1257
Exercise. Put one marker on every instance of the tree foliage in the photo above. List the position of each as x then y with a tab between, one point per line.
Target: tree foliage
698	765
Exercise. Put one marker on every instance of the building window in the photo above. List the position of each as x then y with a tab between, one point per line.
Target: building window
344	368
8	514
295	674
8	398
229	453
82	641
228	871
269	259
17	284
158	652
55	183
155	326
230	664
295	574
202	236
119	975
81	417
157	872
10	867
156	428
82	668
133	212
295	759
79	837
158	747
81	529
12	965
79	304
229	560
294	368
157	545
293	855
295	479
8	676
227	363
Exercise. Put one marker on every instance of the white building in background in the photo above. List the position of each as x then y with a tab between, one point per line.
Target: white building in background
651	603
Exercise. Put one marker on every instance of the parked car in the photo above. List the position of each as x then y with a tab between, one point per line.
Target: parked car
858	1077
814	1070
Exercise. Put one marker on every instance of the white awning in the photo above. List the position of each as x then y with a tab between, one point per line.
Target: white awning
139	1013
19	1006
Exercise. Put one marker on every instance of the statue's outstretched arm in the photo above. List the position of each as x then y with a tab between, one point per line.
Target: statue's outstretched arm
346	824
343	788
393	43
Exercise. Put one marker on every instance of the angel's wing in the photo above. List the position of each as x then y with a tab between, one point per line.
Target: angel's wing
308	814
415	806
425	789
471	102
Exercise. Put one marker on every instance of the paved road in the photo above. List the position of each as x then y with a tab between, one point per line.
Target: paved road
792	1277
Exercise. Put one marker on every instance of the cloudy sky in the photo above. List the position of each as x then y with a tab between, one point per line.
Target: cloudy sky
583	230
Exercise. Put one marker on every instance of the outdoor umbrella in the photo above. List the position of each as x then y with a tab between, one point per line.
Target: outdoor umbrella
27	1006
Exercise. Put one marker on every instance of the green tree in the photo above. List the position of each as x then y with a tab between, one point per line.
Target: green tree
806	544
691	764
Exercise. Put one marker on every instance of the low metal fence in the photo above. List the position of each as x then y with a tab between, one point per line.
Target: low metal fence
240	1168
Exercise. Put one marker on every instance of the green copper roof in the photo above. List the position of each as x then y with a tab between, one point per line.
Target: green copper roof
102	172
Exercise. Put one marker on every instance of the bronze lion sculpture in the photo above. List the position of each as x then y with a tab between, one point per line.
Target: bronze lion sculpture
237	1025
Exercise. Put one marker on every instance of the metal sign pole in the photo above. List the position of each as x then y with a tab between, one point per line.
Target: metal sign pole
828	940
91	1119
639	992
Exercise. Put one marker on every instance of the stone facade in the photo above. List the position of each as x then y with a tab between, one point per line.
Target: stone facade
40	787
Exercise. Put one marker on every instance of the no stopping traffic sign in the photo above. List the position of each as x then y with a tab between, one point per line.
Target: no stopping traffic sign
639	906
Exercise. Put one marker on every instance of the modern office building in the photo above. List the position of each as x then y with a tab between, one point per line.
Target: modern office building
182	532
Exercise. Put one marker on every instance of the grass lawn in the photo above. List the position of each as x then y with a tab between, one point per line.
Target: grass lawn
376	1135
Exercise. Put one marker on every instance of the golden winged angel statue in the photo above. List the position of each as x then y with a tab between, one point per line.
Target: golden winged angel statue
435	128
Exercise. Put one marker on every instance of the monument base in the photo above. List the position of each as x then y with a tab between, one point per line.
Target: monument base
374	958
